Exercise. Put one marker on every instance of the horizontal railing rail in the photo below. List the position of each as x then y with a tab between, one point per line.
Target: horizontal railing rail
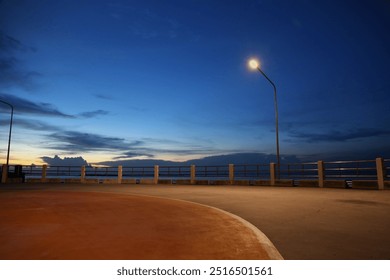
173	172
102	172
212	172
62	171
351	170
298	171
251	171
32	171
386	168
138	171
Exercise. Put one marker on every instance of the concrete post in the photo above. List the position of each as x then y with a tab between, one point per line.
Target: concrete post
193	171
380	173
321	173
156	171
273	173
231	174
4	174
44	172
120	170
82	176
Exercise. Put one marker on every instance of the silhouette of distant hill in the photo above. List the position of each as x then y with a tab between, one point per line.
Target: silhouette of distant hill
239	158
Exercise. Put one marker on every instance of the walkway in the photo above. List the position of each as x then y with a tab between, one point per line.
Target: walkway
45	224
302	223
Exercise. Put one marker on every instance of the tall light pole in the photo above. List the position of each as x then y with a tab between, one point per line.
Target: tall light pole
10	128
254	64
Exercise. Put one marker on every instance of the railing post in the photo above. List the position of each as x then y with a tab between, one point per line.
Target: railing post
231	174
272	173
120	172
44	173
380	173
156	171
321	173
4	174
193	171
82	174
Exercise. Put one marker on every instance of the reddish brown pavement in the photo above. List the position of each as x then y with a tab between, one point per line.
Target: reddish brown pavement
39	224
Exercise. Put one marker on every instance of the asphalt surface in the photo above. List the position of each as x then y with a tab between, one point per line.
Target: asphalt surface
74	225
302	223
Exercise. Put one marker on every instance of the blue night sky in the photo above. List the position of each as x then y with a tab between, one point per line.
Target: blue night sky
117	80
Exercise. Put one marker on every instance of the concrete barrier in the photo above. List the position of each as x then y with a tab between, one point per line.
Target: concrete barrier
335	184
129	181
201	182
241	182
147	181
183	182
72	180
284	183
262	182
221	182
53	180
308	183
109	181
165	181
91	181
366	184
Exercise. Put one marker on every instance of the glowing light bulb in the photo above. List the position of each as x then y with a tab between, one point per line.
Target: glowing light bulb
253	63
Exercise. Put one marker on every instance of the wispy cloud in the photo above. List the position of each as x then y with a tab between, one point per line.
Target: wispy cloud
93	114
74	141
31	124
11	68
103	96
25	106
339	135
132	154
10	44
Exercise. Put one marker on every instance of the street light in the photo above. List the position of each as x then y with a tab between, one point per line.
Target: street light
254	64
10	129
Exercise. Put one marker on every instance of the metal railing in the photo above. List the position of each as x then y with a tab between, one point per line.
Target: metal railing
251	171
32	171
297	171
138	172
386	163
63	171
212	172
351	170
173	172
101	172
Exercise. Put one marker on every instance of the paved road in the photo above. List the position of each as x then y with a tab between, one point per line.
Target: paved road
302	223
77	225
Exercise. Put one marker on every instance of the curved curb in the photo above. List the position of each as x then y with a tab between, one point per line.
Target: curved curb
267	245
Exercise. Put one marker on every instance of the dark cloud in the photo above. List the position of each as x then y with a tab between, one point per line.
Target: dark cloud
75	141
9	44
93	114
25	106
338	135
31	124
104	97
129	155
66	161
12	70
233	158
